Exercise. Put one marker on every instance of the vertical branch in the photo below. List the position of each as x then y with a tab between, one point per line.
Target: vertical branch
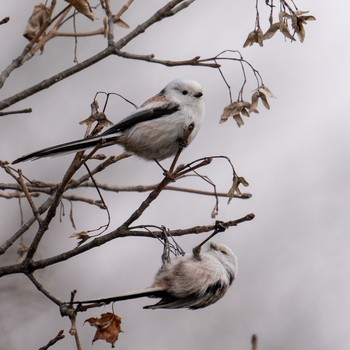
106	6
73	318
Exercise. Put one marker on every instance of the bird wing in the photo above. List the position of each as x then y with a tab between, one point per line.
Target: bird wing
142	115
193	301
170	302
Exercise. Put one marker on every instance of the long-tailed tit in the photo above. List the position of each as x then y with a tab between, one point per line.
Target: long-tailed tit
190	281
154	131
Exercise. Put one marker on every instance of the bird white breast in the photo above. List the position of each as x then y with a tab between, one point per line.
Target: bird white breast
159	138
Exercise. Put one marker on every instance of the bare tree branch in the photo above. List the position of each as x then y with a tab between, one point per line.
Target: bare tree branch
60	335
42	289
20	111
120	232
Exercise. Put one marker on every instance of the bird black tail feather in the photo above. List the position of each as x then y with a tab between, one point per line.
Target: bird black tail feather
150	292
69	147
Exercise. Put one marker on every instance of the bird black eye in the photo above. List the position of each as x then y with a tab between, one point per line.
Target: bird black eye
184	92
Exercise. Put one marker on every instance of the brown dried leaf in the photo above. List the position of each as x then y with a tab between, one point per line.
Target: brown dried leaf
105	27
214	213
246	104
93	116
22	252
98	117
119	22
235	109
301	32
263	98
285	31
271	31
245	112
255	101
82	236
228	111
309	18
267	90
251	39
260	37
243	181
41	14
83	7
238	119
282	15
108	327
234	190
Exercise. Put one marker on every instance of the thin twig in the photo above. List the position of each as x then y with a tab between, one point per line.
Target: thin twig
28	196
20	111
42	289
60	335
123	9
196	61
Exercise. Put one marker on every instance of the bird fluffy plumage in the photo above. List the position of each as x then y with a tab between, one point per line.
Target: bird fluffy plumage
195	282
154	131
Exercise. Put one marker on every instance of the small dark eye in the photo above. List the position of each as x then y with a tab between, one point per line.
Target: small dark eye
184	92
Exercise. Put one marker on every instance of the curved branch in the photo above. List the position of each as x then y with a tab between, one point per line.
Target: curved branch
120	232
196	61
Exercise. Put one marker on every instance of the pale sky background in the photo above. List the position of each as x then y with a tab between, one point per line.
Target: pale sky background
292	287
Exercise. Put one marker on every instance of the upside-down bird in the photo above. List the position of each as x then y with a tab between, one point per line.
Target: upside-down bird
190	281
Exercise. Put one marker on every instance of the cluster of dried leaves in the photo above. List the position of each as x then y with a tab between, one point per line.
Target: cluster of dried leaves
290	23
42	17
240	108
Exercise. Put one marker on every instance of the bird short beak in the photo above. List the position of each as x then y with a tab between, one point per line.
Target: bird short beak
198	95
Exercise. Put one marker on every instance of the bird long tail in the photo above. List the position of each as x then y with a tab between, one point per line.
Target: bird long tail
69	147
149	292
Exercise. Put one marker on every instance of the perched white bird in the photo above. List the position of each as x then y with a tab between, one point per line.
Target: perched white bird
190	281
154	131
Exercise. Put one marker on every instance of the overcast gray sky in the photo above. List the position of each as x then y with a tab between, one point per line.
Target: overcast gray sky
292	287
